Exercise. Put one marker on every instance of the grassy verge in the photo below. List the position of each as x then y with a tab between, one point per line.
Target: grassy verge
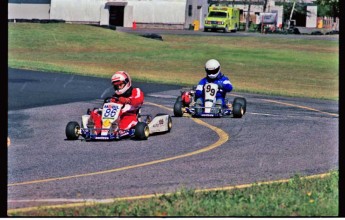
296	197
277	66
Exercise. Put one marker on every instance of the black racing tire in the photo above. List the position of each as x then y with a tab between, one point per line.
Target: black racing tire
178	109
142	131
235	30
242	101
72	130
169	123
238	110
206	29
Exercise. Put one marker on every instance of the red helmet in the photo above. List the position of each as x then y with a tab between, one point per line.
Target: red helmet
121	82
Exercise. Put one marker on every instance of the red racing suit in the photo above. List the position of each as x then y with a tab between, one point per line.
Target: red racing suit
128	114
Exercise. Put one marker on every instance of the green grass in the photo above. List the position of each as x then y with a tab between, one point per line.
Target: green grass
277	66
296	197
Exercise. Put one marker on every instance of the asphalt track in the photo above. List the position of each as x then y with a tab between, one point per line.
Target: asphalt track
276	139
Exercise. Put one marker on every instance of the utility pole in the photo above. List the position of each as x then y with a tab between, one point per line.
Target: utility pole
264	6
293	8
248	15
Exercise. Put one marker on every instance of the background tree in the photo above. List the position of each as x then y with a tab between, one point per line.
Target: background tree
330	8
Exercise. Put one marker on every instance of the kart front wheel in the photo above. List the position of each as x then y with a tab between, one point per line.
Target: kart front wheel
72	130
243	102
142	131
178	109
238	110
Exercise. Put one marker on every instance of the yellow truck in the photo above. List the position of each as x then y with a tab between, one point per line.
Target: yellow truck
222	18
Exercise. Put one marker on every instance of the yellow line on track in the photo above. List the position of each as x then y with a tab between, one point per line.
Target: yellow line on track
300	106
223	137
148	196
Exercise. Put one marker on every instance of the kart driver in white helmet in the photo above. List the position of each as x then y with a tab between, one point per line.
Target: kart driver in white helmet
213	75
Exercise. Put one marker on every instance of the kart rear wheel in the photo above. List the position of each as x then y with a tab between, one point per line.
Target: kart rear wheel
178	109
169	123
242	101
238	110
142	131
72	130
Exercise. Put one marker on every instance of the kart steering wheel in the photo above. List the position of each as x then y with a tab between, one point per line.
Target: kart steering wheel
108	99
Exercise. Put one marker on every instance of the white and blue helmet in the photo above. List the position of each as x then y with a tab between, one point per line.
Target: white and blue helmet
212	68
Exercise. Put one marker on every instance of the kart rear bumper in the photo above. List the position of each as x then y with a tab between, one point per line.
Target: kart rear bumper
215	112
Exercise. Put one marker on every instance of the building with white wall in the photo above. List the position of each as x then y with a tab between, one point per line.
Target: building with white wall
174	14
34	9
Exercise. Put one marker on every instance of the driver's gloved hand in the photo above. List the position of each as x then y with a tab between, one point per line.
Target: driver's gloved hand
124	100
220	85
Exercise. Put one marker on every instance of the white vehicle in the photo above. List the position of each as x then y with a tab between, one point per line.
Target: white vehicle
110	112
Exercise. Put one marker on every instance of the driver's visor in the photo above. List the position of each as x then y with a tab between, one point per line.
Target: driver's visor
119	85
212	72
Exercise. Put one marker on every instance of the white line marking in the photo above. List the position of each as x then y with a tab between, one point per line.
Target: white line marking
300	106
23	87
255	113
69	81
161	96
61	200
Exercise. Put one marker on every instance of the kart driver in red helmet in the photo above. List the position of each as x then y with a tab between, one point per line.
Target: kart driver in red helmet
131	98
